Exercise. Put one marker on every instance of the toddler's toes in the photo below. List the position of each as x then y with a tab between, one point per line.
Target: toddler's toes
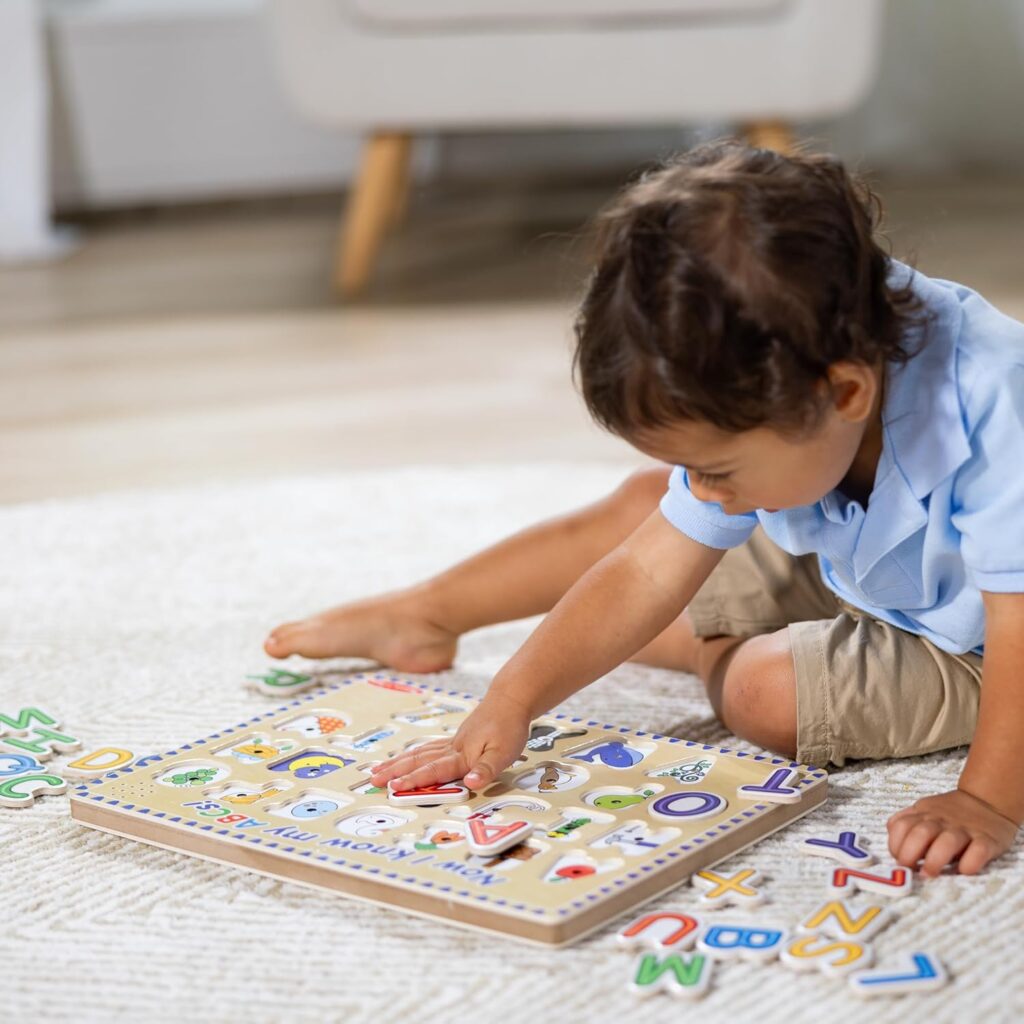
384	629
281	641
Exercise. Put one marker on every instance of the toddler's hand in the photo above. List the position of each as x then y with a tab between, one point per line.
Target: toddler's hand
940	829
487	742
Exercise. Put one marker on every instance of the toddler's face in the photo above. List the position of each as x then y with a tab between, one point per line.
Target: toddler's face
759	468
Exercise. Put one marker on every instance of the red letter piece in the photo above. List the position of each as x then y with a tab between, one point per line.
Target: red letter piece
661	931
897	884
425	796
483	838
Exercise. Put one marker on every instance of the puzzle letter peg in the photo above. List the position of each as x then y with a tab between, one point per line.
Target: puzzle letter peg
277	682
681	975
22	790
99	762
816	952
775	789
897	883
18	764
661	931
23	778
722	890
37	739
835	919
923	973
484	838
686	806
427	796
845	850
742	941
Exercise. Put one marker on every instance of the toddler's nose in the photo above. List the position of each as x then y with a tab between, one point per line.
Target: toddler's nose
720	494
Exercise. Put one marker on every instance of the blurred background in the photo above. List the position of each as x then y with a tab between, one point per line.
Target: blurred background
245	238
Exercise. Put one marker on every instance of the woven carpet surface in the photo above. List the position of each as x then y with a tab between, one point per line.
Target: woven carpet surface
134	617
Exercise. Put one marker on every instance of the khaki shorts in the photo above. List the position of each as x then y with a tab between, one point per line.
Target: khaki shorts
864	688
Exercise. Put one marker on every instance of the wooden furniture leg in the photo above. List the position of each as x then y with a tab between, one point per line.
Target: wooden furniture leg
375	203
400	193
777	135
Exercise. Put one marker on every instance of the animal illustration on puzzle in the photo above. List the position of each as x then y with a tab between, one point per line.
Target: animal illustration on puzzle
588	812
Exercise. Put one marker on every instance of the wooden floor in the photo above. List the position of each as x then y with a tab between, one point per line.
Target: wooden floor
198	345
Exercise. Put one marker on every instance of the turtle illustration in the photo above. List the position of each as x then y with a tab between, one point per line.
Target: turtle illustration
193	777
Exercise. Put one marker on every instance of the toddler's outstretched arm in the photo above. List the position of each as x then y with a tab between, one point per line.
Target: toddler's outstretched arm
978	821
618	606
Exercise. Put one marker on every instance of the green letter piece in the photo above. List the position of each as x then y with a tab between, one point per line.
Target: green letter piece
23	789
681	975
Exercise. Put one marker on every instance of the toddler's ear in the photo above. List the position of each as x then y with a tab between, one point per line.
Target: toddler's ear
853	387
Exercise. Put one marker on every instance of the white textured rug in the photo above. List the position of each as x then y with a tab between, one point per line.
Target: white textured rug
134	617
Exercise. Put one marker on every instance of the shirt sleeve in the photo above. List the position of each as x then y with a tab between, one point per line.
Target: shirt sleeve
703	521
988	490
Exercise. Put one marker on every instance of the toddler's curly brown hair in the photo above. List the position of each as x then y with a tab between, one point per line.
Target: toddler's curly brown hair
725	283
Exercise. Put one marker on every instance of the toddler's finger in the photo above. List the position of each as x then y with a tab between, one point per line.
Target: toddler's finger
977	855
400	763
917	841
422	751
898	830
446	768
381	776
945	848
481	775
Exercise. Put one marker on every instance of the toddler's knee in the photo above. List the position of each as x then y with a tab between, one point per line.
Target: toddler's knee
758	698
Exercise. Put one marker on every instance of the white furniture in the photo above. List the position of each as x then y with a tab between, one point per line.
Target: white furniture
394	67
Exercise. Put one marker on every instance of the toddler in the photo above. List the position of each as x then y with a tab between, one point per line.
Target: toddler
832	537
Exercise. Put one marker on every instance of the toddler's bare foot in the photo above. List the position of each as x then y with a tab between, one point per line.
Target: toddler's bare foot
392	629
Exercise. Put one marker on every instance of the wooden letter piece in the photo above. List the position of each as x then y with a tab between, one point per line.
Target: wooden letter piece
99	762
663	930
742	940
775	789
835	919
277	682
722	890
484	838
923	973
22	790
427	796
686	975
846	850
898	883
23	778
833	959
38	739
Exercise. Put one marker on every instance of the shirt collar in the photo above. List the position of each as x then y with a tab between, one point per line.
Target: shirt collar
921	411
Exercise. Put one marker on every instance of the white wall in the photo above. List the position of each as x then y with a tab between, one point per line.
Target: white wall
950	93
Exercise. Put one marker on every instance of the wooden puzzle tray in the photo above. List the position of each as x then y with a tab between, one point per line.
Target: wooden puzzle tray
620	815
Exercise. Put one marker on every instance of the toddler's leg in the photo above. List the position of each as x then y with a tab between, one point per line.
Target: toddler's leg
417	629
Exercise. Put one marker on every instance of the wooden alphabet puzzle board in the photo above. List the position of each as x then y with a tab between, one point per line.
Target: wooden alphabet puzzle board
620	815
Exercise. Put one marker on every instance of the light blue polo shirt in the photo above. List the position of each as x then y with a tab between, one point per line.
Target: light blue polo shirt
945	518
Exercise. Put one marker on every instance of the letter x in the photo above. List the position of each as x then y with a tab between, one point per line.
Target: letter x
722	889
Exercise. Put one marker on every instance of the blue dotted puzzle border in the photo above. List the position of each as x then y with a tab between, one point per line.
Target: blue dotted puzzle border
82	791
